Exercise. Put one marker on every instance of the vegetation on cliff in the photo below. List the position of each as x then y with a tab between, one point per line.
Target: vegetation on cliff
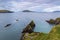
54	33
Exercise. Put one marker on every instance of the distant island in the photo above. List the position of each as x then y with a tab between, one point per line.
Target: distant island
5	11
27	11
56	11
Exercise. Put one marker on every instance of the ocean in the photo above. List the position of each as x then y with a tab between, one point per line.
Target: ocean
13	32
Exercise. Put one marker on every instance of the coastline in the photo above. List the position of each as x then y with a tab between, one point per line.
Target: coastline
26	35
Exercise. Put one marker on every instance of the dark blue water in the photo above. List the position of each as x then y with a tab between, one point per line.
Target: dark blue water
13	32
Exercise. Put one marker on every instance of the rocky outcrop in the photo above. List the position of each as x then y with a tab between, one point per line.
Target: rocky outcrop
56	21
5	11
51	21
7	25
29	28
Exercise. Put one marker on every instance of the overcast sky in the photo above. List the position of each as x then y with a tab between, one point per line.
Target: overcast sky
34	5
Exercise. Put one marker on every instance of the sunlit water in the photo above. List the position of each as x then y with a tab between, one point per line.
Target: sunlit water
13	32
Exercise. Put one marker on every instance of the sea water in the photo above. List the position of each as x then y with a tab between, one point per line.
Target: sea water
13	32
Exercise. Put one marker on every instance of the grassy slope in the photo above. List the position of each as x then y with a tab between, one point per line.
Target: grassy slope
54	33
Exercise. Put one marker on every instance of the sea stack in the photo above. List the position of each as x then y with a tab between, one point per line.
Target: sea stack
29	28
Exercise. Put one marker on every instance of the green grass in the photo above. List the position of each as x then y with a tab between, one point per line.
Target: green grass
54	33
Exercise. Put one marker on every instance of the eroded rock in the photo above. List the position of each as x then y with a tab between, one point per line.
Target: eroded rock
29	28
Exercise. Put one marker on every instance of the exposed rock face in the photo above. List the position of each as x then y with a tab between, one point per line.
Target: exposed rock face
5	11
29	28
56	21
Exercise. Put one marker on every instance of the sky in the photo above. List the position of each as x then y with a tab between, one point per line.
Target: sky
33	5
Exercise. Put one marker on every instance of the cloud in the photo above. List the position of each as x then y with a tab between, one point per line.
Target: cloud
38	1
21	5
37	5
18	6
41	7
52	9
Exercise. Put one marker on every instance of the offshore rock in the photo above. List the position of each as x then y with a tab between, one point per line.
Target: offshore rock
29	28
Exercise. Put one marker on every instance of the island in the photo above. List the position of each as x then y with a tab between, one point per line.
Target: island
56	11
6	11
27	11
